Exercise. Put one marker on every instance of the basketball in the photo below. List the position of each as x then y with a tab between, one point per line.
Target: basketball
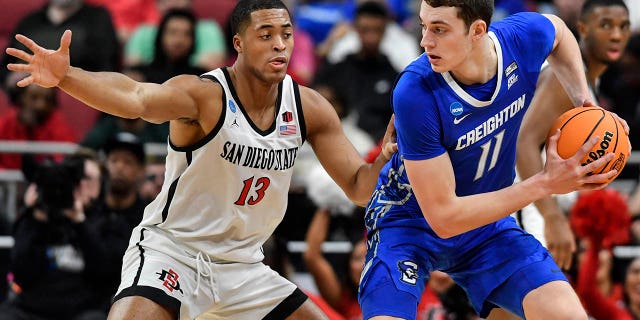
578	125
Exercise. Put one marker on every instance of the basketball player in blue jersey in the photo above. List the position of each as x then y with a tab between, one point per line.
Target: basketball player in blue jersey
234	137
443	202
604	30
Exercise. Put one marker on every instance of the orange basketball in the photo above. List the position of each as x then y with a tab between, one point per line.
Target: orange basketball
579	124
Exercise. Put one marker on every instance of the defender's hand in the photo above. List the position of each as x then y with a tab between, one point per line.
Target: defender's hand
46	67
560	241
389	144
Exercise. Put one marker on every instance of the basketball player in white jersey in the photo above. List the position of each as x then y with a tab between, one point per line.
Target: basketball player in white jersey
232	145
604	30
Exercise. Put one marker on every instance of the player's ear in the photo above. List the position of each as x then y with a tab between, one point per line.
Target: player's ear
478	28
237	43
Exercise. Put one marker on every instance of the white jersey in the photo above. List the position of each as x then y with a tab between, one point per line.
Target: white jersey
225	195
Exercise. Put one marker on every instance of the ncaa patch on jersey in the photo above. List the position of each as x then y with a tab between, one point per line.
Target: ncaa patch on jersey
232	106
456	108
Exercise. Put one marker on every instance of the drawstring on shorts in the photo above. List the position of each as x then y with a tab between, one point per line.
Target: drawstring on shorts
203	268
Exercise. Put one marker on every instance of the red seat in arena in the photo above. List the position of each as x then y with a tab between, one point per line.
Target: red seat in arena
81	117
13	10
4	102
218	10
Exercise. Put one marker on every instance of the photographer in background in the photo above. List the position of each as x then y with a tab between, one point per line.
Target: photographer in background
57	255
121	207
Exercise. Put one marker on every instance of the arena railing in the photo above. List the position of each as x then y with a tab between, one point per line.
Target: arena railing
10	180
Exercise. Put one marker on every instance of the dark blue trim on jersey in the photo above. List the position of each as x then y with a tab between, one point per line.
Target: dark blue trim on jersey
215	129
301	122
288	306
271	128
154	294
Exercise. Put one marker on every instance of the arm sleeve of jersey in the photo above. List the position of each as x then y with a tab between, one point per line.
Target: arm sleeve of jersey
417	119
533	34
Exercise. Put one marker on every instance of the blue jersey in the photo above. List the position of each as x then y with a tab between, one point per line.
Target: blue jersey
476	125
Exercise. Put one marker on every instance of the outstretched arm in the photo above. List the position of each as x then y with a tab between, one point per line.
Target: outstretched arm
336	154
109	92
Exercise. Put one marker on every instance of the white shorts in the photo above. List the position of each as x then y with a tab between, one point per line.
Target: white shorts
172	275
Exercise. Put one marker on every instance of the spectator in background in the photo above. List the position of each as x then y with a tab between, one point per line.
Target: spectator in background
128	14
57	257
303	64
120	208
397	44
153	180
568	11
603	30
34	117
174	46
621	85
95	48
210	47
363	80
601	220
338	288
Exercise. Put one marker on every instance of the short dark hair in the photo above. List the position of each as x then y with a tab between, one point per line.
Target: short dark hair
590	5
372	8
468	10
241	14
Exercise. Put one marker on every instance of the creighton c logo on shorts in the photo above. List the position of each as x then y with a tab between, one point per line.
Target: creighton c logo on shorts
409	271
170	279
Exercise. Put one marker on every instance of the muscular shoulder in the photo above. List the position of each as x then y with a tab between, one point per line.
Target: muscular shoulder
319	114
206	97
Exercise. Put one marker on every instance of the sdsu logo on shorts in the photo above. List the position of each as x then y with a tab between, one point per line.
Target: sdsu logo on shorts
409	270
170	280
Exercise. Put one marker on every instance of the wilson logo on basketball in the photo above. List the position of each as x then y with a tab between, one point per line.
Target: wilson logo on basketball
604	146
580	124
619	163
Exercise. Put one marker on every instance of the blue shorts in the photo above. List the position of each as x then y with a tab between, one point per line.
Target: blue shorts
499	272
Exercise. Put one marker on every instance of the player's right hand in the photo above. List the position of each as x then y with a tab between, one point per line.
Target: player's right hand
566	175
46	67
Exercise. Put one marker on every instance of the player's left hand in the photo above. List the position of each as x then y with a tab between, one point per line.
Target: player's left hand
624	123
